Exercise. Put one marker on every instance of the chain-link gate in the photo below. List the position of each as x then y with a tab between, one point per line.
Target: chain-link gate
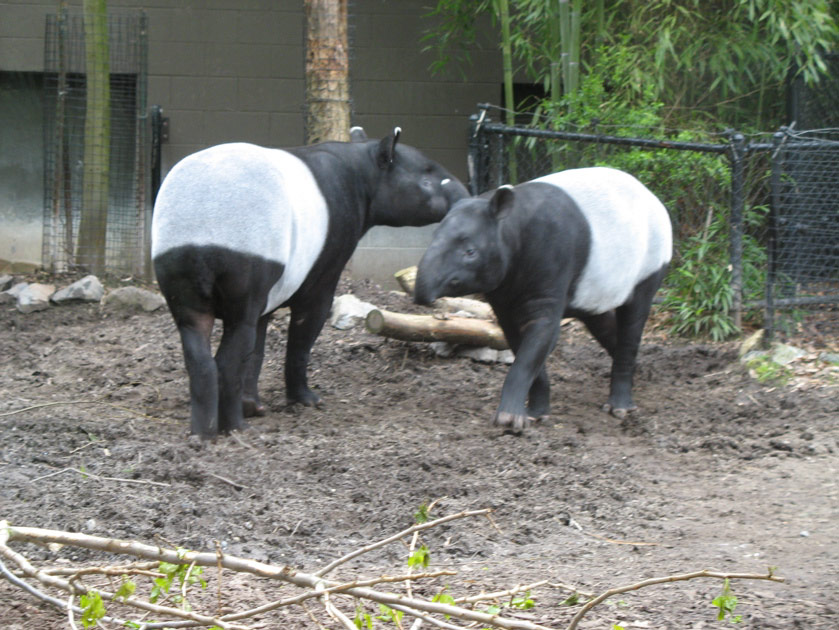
122	245
781	191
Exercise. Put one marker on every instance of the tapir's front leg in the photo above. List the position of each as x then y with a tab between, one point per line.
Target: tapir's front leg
307	319
537	339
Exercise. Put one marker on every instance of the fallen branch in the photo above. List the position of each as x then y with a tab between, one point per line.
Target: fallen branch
427	328
329	593
663	580
85	473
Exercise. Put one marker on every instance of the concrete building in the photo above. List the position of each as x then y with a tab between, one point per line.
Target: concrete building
233	70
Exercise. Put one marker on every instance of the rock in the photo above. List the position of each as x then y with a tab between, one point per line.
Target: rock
506	356
443	349
783	354
35	297
830	357
752	342
6	281
348	310
133	298
88	289
482	355
9	296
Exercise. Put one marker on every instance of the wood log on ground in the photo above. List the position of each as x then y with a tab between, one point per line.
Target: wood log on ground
427	328
481	310
407	279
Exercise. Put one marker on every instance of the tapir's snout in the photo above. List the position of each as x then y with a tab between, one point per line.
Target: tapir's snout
426	285
423	292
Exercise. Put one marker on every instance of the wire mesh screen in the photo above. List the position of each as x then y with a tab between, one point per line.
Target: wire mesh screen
776	195
96	148
805	221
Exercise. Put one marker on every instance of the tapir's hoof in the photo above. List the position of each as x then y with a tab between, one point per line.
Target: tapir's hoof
619	412
515	422
251	408
307	399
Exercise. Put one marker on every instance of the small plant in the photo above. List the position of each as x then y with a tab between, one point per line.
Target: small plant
93	609
767	371
185	574
420	558
727	602
386	613
362	620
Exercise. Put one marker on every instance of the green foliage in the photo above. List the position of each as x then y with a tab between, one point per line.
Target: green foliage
421	515
768	371
522	602
723	60
698	296
386	613
125	590
93	609
444	598
185	574
362	619
726	603
421	557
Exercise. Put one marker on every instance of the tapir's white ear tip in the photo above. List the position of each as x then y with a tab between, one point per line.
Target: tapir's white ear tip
506	187
356	128
397	131
445	181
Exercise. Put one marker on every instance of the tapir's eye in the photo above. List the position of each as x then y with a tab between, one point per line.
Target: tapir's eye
470	252
426	183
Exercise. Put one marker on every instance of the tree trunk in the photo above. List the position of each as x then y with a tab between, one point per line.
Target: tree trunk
327	71
457	330
97	139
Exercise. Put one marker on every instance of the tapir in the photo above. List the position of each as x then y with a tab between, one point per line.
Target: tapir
240	230
590	243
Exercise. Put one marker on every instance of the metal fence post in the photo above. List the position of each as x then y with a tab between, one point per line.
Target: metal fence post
771	244
736	154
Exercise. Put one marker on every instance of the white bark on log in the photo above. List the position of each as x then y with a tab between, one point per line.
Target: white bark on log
427	328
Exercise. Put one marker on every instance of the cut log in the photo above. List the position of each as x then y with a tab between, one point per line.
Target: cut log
477	308
457	330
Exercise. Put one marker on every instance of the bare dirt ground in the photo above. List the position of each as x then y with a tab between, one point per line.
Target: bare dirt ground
715	471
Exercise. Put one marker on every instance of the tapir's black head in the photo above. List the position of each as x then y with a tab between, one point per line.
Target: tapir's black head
411	189
466	254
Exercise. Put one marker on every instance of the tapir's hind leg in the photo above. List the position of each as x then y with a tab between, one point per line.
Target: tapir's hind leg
251	405
630	319
195	329
603	328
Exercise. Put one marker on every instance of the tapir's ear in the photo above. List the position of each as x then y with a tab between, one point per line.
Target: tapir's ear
357	135
501	203
387	148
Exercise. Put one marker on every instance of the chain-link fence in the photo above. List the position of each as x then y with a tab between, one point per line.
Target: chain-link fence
95	186
775	195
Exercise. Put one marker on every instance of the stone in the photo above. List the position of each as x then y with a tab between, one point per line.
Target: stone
9	296
133	298
35	297
348	310
443	349
479	354
88	289
830	357
6	281
782	354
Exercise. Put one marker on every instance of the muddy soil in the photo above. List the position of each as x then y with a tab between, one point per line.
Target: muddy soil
715	471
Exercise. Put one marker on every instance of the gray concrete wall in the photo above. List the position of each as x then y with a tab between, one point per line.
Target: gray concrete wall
233	70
